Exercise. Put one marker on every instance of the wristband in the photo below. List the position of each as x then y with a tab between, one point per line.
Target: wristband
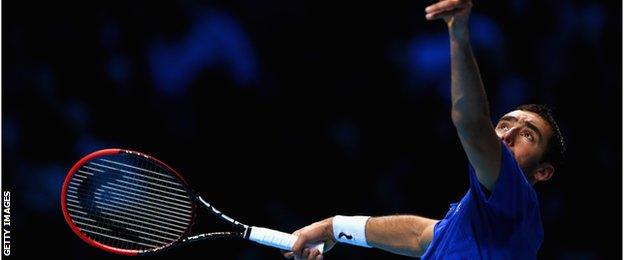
350	230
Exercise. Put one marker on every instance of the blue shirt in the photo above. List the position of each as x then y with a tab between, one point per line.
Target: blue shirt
503	224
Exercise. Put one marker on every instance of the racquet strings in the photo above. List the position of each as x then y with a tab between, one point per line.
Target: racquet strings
129	202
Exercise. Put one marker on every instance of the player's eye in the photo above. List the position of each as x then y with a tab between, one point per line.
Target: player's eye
527	135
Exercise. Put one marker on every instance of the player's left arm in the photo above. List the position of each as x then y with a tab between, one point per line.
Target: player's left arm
470	109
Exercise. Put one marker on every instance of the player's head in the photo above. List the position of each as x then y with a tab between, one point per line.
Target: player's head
533	136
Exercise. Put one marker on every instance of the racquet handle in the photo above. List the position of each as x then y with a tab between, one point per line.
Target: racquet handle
277	239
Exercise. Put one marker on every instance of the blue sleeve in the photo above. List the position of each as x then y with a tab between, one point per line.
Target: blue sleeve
512	195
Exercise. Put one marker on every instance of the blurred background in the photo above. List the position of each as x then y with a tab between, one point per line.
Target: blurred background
271	108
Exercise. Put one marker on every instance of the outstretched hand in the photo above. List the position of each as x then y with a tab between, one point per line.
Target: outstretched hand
317	232
454	12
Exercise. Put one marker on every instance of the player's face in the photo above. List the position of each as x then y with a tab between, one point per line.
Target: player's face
526	134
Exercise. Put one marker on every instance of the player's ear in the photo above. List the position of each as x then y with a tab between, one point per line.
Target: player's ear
544	172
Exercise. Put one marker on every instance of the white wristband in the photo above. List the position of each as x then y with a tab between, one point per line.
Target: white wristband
351	230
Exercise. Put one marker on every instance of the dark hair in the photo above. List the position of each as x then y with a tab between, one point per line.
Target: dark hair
555	151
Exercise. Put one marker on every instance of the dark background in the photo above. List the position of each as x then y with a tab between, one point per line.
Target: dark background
286	112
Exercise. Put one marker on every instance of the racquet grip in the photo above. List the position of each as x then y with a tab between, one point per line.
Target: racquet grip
277	239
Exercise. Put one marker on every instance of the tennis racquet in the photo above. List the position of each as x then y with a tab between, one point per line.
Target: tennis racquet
129	203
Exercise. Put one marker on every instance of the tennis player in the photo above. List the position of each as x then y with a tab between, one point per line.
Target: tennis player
499	217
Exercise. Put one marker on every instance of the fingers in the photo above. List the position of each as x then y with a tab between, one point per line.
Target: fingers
291	254
314	255
315	233
308	254
288	255
442	15
301	241
445	5
304	255
307	235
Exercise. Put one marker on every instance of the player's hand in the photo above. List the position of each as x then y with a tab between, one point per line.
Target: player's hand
317	232
454	12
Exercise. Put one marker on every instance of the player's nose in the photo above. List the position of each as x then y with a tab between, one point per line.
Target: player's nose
509	136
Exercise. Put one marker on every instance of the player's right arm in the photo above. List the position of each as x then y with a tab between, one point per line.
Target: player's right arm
400	234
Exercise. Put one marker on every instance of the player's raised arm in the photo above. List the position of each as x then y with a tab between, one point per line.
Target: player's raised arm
470	110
